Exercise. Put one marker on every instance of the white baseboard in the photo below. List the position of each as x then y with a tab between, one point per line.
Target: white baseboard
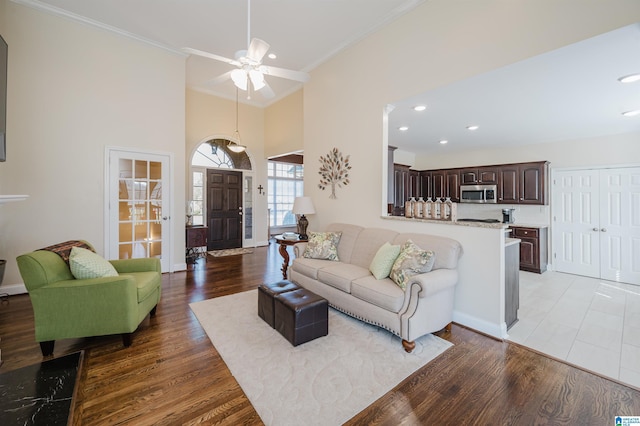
496	330
179	267
13	289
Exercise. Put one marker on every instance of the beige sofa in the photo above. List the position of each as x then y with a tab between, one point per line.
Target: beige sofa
424	307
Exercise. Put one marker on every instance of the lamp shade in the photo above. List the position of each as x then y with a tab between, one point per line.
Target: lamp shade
303	205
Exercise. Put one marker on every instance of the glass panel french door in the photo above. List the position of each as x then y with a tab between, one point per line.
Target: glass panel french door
139	213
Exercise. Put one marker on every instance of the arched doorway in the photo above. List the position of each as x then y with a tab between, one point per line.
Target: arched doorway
221	193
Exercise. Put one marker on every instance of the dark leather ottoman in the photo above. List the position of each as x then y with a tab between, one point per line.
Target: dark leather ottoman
266	295
301	316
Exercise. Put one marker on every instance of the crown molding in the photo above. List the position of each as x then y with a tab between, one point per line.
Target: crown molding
52	10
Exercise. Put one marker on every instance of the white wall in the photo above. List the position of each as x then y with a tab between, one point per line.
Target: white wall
439	42
72	90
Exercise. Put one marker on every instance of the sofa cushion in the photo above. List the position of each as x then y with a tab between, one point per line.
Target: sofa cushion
147	283
322	245
347	240
368	243
383	261
309	267
382	293
411	261
85	264
340	275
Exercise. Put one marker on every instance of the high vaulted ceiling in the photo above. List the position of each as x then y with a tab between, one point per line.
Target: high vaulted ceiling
570	93
302	33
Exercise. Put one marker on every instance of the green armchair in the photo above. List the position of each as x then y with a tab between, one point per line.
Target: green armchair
65	307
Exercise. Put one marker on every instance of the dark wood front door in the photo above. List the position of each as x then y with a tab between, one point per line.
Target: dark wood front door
224	209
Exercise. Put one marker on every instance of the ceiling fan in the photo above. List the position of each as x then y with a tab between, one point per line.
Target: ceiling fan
249	65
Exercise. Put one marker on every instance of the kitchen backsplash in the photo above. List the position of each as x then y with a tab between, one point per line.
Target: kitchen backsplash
538	215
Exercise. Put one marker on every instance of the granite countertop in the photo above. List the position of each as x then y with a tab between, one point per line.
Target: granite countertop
498	225
528	225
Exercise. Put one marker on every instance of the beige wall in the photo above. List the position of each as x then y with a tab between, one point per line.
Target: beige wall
74	90
283	132
210	117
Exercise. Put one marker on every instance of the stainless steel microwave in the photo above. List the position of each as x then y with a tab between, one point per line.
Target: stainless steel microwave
478	194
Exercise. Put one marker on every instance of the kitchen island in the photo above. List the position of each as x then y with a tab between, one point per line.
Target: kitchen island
481	290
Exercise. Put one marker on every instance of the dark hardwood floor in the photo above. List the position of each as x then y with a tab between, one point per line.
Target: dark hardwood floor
173	375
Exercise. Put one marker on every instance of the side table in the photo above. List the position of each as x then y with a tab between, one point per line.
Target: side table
284	243
196	242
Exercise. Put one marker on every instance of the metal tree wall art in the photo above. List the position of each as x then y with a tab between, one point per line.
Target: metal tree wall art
334	170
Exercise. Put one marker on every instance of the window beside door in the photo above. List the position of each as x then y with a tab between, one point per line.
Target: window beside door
285	183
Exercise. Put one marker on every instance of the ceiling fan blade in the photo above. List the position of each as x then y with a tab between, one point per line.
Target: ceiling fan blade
217	80
210	56
300	76
257	49
267	91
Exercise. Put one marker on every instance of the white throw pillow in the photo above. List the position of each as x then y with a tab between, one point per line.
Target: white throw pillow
86	264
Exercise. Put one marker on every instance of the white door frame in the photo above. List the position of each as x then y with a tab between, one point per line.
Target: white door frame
167	251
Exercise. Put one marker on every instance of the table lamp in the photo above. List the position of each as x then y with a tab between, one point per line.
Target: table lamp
302	206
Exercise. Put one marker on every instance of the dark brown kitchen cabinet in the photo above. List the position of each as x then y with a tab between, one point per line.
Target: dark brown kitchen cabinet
508	184
446	183
415	184
426	184
523	183
533	181
400	184
407	183
479	176
533	248
452	177
439	181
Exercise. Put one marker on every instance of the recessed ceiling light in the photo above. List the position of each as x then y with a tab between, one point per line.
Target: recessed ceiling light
403	128
272	56
419	107
629	78
631	113
444	141
473	127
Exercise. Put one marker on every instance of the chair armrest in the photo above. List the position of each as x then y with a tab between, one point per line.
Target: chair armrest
433	282
298	249
148	264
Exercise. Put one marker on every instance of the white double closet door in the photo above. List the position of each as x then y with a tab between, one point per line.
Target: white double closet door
596	223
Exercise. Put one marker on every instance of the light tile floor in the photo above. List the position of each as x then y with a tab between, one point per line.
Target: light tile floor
587	322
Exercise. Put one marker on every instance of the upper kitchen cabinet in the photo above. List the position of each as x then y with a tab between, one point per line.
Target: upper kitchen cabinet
445	183
523	183
508	184
533	182
479	176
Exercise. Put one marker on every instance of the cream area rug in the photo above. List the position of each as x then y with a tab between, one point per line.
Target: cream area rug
229	252
322	382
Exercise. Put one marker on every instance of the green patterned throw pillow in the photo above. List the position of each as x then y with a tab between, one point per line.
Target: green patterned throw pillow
86	264
383	260
411	261
322	245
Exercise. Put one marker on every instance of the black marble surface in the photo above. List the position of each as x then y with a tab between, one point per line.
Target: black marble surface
39	394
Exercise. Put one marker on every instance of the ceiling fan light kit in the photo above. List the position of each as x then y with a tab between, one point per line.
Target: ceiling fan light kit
249	65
